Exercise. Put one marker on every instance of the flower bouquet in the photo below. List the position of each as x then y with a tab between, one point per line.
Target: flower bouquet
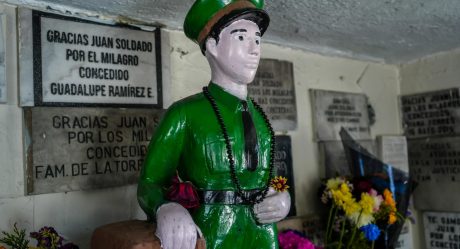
358	213
382	178
48	238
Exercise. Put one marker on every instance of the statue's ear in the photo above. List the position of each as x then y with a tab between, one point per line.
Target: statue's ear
211	47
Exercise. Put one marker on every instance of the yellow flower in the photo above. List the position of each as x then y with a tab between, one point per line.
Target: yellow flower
366	203
341	194
350	207
334	183
361	219
342	197
279	183
344	188
361	213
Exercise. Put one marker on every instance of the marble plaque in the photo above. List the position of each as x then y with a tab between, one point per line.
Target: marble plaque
334	110
431	114
442	230
85	148
392	150
405	238
334	158
273	89
283	166
435	165
3	92
81	63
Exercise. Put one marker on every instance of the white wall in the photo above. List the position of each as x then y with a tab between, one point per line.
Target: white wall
440	71
76	214
436	72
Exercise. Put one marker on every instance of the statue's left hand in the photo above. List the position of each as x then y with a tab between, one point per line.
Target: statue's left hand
274	207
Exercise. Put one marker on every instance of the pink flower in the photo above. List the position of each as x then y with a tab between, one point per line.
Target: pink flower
378	199
292	240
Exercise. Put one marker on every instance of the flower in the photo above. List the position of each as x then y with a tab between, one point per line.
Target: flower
355	211
366	203
371	232
362	185
279	183
292	240
183	193
343	198
360	219
334	183
410	217
364	214
48	238
390	202
378	199
389	198
392	218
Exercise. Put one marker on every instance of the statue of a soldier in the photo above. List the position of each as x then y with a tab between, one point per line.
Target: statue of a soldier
219	140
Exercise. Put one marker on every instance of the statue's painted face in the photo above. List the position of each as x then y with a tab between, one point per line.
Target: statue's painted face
238	51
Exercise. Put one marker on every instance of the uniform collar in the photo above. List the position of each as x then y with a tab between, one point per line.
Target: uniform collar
226	98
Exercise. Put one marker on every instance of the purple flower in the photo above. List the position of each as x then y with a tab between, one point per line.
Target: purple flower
47	237
371	232
362	185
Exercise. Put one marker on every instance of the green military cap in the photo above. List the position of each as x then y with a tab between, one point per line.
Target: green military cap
205	16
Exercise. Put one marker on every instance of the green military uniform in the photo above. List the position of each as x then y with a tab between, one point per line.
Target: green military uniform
189	139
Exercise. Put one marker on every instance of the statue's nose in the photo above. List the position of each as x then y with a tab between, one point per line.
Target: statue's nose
254	49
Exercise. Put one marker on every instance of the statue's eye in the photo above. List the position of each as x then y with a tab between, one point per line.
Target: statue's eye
257	42
240	37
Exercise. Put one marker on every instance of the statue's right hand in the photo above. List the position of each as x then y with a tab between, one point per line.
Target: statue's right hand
175	227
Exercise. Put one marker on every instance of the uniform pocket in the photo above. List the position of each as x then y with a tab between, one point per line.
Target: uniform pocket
216	155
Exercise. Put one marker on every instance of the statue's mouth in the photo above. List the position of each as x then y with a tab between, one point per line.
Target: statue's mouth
252	65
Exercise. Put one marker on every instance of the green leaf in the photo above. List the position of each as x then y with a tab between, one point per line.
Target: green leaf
16	239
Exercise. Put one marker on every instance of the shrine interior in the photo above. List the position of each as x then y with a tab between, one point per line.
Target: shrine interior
385	70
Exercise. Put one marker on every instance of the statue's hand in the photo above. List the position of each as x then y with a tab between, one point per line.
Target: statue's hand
175	227
274	208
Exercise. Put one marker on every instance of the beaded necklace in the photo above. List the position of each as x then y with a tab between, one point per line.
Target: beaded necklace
259	196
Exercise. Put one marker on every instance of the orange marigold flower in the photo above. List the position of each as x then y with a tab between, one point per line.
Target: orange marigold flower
389	198
389	201
279	183
392	219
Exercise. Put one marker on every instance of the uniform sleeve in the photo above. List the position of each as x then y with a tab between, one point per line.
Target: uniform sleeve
161	161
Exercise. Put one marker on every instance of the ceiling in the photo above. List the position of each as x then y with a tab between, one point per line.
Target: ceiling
389	31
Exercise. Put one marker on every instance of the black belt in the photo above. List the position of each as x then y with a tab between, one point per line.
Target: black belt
225	196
